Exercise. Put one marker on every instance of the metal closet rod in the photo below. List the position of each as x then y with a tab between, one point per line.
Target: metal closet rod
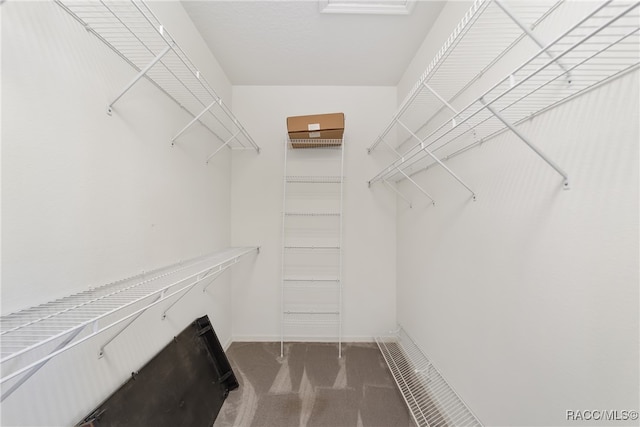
80	328
542	110
169	40
416	89
180	54
86	322
76	330
479	74
418	146
205	84
110	295
210	274
526	32
529	33
515	71
430	154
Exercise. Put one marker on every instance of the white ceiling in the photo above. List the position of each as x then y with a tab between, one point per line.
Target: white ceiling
292	43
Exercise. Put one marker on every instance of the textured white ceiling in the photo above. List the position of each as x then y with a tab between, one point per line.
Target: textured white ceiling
292	43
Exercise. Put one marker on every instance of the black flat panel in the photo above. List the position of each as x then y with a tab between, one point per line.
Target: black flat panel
222	365
183	385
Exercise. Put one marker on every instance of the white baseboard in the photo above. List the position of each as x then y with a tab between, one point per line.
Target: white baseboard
227	344
271	338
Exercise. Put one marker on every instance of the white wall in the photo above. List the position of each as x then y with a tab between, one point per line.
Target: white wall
369	216
88	198
527	299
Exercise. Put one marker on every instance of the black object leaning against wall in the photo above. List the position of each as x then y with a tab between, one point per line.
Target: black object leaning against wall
185	384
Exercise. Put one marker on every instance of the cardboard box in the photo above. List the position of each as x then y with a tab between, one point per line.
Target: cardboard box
317	126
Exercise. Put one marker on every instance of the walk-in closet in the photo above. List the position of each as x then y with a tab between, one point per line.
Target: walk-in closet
320	213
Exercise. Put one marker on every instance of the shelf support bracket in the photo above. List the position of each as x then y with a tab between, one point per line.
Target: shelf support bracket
213	275
226	143
456	113
392	149
430	154
191	286
37	367
395	190
158	298
218	273
526	141
208	274
141	74
422	190
532	36
444	101
195	119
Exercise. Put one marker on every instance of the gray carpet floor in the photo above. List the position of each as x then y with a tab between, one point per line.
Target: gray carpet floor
312	387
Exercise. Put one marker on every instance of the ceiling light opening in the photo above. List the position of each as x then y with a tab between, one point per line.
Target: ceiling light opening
367	7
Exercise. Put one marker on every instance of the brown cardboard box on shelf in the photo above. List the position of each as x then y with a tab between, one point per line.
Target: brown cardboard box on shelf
317	126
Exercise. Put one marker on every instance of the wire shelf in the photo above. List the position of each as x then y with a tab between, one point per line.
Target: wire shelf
312	313
318	285
133	32
312	248
326	214
335	144
314	179
434	123
321	318
431	400
100	308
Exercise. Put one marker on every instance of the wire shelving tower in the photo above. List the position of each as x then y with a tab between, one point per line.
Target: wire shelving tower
312	228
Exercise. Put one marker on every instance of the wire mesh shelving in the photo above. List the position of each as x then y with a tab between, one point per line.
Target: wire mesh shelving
430	399
29	338
463	100
133	31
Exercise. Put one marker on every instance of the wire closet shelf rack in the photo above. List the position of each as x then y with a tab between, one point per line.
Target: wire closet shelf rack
311	290
31	337
463	99
133	31
430	399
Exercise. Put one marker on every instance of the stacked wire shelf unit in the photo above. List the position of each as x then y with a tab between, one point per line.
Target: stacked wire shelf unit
311	289
134	33
504	64
31	337
430	399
